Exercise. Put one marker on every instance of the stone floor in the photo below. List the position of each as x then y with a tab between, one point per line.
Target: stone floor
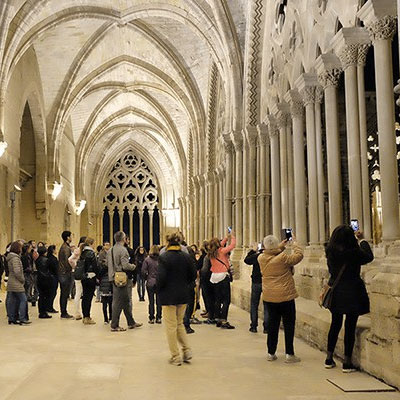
57	359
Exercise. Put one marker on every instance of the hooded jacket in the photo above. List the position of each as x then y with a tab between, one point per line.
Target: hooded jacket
16	278
149	271
277	278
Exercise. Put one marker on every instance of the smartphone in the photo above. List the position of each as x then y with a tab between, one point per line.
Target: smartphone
287	234
259	247
354	225
229	229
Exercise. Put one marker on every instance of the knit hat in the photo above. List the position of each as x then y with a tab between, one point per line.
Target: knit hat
271	242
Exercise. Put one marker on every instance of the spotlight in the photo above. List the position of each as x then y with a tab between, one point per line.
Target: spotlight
3	147
80	207
17	188
57	187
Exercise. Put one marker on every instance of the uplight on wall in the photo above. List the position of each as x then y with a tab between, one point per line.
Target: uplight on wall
81	207
3	147
57	187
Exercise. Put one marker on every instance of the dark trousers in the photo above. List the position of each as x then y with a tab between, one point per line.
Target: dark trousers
287	312
88	288
45	290
151	292
256	291
222	292
106	302
53	292
189	307
141	286
120	303
16	305
349	332
65	288
208	293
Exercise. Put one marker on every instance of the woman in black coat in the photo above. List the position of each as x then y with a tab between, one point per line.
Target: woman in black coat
350	296
44	282
176	271
53	269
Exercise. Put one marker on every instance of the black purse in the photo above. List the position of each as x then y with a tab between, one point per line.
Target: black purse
326	295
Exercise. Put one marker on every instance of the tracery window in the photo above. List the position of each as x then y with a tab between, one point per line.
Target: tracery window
131	202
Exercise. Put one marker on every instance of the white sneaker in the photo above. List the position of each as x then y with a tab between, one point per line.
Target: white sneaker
290	359
271	357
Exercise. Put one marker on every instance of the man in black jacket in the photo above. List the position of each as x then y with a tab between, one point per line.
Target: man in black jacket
256	289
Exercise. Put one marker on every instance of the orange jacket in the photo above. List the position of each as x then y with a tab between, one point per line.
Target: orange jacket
223	255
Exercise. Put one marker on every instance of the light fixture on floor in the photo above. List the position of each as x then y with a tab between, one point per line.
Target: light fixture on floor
3	147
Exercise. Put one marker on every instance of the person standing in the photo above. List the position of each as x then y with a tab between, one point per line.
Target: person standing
345	255
73	259
149	274
105	284
218	253
176	271
89	259
44	282
140	255
16	302
256	289
65	273
279	292
53	269
118	261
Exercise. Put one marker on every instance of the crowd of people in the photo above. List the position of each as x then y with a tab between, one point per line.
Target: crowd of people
175	276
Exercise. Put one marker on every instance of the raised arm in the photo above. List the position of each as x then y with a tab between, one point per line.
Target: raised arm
230	247
293	258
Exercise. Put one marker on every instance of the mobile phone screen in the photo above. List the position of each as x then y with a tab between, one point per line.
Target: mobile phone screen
287	234
229	229
354	225
259	247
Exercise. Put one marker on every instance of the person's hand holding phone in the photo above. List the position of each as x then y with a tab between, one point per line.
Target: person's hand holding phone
359	235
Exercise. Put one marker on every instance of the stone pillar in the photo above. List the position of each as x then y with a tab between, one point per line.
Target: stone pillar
196	208
275	179
211	205
140	227
151	214
300	186
111	214
238	142
245	182
202	230
306	84
131	226
365	195
381	24
228	181
320	163
346	44
121	219
251	133
329	71
222	222
264	173
190	217
291	200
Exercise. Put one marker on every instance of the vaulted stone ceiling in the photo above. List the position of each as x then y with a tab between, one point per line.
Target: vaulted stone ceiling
118	73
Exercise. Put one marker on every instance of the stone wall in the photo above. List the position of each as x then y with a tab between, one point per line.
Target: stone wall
377	348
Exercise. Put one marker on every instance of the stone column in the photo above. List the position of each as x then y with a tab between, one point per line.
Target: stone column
151	214
202	231
196	208
381	29
329	71
131	226
251	133
300	186
264	173
121	219
291	201
238	142
275	179
306	84
190	217
320	163
245	182
211	205
222	222
365	195
111	214
141	227
228	180
346	44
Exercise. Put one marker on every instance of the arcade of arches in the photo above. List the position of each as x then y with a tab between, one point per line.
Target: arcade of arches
157	115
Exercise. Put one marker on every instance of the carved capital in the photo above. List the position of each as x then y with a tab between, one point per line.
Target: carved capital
349	55
238	142
383	29
263	134
308	94
251	134
330	78
362	54
272	126
297	109
319	94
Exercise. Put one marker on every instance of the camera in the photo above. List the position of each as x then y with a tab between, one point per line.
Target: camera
287	234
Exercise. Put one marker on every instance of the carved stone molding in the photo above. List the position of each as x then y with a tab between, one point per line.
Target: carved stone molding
330	78
362	54
383	28
319	94
297	109
263	134
272	127
308	94
349	55
238	142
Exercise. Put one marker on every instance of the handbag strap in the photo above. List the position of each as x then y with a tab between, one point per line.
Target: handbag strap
227	269
338	277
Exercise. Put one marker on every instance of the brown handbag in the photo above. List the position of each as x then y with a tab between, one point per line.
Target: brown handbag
326	294
120	277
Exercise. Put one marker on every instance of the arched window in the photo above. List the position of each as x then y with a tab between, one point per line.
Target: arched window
131	202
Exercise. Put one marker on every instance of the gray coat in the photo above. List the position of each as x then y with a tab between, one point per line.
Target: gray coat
16	278
121	261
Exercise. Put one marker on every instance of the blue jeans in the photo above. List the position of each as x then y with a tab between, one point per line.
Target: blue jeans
256	290
16	304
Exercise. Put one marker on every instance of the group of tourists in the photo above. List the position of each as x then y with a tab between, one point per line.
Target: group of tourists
176	276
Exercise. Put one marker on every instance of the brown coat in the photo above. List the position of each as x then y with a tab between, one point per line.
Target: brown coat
16	278
277	278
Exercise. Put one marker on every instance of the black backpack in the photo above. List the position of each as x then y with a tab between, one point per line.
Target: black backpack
80	270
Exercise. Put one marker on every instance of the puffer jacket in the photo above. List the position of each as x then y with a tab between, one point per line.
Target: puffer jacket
277	278
16	278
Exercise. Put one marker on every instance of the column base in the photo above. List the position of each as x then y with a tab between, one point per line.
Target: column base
236	256
314	252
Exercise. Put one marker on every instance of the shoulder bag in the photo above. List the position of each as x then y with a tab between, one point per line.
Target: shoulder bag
120	277
326	295
228	270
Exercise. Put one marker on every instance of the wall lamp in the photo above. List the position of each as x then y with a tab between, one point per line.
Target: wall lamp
3	147
81	206
57	187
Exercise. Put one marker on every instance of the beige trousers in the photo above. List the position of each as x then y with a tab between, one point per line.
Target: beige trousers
173	319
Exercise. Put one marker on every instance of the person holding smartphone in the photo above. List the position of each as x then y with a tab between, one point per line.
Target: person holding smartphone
256	288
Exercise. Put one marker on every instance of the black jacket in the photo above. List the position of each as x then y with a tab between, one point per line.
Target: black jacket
27	264
175	275
350	295
43	274
251	259
90	261
53	265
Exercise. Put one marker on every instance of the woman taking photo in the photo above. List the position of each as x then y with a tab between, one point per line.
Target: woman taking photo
346	252
279	292
221	277
88	256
